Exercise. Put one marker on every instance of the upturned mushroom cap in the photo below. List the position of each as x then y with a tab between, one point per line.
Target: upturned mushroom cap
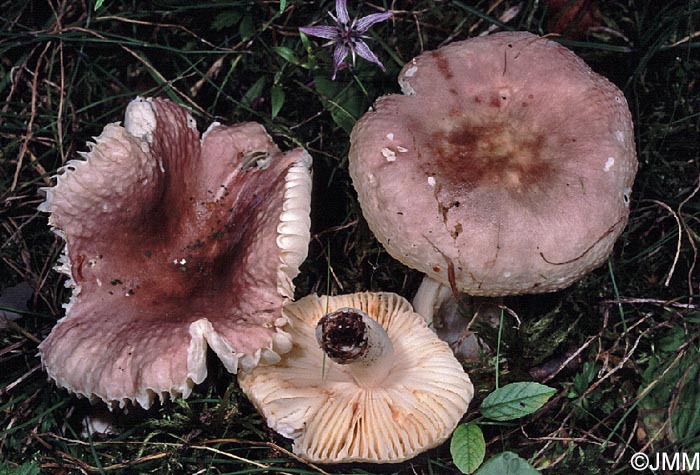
334	417
174	243
506	160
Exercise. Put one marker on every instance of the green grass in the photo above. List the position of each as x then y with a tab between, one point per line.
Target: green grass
632	327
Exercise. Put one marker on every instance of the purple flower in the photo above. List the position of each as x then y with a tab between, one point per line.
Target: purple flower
347	36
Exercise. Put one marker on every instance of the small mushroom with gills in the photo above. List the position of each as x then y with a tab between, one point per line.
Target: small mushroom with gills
174	243
518	158
366	381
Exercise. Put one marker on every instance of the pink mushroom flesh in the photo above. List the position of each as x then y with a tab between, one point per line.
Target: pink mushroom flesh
161	235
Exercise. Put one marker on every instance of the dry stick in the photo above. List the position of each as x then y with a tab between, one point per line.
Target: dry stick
168	25
512	313
59	124
89	468
201	446
231	456
148	65
15	78
682	349
273	446
633	432
651	385
25	252
694	34
618	366
22	331
599	336
686	228
676	398
39	167
679	241
505	17
664	303
11	347
570	358
211	73
19	380
30	124
59	112
420	36
43	277
336	228
490	10
466	333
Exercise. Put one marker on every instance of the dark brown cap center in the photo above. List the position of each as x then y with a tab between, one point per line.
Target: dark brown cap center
497	155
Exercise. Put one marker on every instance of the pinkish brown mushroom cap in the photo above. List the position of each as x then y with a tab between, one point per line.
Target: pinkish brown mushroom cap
507	159
174	243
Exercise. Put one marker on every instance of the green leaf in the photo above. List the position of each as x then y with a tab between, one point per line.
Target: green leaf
675	384
344	101
255	91
225	20
283	5
685	416
247	28
468	447
277	100
98	4
287	54
305	41
507	463
515	400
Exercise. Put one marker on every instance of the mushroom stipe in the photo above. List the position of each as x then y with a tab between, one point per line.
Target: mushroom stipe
343	335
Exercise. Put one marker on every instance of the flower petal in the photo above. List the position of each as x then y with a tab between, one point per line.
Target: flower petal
363	24
324	31
339	54
341	10
363	51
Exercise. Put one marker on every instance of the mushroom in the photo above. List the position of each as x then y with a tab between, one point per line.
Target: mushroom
174	243
380	388
519	161
505	168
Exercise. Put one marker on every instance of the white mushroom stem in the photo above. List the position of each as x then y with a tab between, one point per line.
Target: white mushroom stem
353	339
430	296
451	319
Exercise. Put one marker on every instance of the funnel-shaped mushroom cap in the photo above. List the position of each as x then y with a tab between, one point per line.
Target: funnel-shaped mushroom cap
335	414
507	159
174	243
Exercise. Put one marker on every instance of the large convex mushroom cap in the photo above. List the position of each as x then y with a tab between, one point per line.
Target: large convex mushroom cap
507	159
174	243
393	402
